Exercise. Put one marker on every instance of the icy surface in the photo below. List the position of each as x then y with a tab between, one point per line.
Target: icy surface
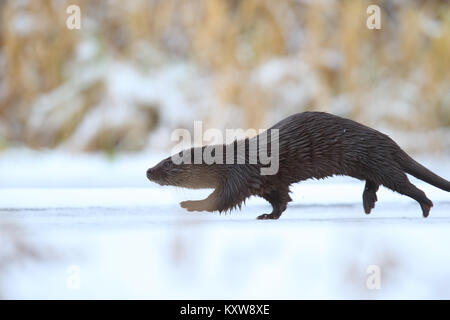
130	239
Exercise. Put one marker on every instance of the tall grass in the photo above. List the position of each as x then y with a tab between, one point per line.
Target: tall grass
230	40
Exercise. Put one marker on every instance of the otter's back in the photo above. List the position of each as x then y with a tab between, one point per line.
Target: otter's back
319	144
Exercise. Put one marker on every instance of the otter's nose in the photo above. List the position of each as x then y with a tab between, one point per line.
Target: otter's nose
149	173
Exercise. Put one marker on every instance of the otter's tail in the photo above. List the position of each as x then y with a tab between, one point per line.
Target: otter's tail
419	171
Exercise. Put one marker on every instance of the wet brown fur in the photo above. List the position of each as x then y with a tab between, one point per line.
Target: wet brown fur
311	145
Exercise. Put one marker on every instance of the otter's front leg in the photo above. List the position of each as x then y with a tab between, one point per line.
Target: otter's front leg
222	199
279	200
197	205
208	204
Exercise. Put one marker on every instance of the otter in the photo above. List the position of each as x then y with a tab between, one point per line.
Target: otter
311	145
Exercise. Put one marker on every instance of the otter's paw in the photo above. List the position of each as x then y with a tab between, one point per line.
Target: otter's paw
267	216
189	205
369	199
426	208
198	205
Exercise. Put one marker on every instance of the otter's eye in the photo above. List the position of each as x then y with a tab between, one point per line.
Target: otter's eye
166	164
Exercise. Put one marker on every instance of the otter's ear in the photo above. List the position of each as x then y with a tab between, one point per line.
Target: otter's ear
177	158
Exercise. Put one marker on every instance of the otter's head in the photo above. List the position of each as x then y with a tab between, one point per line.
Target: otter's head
176	171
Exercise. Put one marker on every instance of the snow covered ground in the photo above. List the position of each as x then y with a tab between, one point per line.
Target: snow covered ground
106	232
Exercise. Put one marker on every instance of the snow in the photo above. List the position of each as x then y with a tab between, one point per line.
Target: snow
128	238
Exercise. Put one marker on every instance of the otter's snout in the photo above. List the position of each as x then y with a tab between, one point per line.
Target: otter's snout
149	173
155	174
159	173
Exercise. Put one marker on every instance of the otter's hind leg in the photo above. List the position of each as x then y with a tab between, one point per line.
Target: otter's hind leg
399	182
370	195
279	200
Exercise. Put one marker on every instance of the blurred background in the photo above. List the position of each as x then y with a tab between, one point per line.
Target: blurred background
135	71
84	112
